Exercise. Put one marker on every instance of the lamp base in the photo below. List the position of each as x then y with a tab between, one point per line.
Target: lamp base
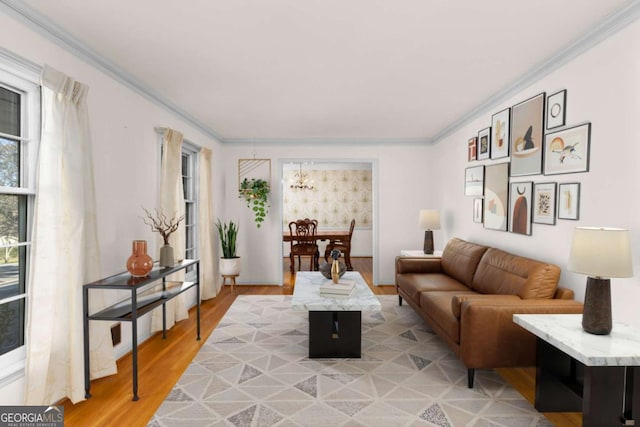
428	242
596	317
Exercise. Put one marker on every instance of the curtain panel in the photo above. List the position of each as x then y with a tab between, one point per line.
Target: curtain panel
65	252
209	286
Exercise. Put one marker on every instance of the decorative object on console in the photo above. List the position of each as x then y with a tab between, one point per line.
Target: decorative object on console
600	253
567	150
544	203
527	133
569	200
429	221
165	227
496	195
484	143
556	113
255	191
520	207
229	261
139	263
473	181
500	133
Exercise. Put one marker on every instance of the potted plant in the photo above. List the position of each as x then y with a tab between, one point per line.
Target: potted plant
255	192
165	227
229	261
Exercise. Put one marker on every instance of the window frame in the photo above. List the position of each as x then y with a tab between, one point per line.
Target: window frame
191	152
13	77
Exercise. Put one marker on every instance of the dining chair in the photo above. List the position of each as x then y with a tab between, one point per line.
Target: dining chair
343	245
303	242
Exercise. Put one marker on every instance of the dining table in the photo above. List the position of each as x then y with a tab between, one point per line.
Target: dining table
320	235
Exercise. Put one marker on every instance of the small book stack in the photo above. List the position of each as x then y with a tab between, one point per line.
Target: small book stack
343	287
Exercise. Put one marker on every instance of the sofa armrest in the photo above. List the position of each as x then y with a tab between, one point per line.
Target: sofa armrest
490	339
563	293
408	265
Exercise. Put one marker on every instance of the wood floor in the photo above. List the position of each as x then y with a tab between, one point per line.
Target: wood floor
162	362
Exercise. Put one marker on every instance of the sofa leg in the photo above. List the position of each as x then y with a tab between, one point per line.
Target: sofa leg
399	300
470	375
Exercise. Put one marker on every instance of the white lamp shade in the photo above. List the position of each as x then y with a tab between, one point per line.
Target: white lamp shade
429	219
601	252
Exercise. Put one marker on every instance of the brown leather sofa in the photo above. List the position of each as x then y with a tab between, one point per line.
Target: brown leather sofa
469	295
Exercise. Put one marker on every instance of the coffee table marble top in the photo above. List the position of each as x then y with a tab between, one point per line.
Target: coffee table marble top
306	294
564	331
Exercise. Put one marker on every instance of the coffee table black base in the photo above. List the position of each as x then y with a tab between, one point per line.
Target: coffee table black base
335	334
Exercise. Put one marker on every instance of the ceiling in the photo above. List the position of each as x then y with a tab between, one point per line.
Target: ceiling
305	70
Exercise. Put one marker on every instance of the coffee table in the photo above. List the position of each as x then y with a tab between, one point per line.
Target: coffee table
335	322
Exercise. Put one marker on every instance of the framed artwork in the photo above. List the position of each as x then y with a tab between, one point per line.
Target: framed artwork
254	169
484	141
567	150
544	203
496	196
527	132
473	181
569	201
500	134
520	195
477	210
556	113
472	149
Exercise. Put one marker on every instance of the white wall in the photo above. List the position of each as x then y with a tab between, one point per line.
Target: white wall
126	159
603	87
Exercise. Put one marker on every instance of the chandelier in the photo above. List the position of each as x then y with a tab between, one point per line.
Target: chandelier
301	181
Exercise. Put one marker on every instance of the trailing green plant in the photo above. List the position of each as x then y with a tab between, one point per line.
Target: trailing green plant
255	191
228	235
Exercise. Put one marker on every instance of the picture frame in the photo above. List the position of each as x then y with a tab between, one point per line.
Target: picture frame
544	203
556	109
477	210
472	149
567	150
474	181
569	201
520	203
527	134
484	143
500	133
496	196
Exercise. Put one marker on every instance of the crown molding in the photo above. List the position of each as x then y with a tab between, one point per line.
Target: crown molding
328	141
53	32
610	25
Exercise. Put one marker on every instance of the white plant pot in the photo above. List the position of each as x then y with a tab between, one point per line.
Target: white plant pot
230	266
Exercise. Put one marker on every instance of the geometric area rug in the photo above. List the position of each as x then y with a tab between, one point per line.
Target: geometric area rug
254	370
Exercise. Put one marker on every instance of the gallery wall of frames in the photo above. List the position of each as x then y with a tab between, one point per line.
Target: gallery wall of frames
527	139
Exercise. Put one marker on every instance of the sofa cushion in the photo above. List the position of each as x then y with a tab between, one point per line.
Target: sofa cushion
437	305
460	259
500	272
456	302
414	284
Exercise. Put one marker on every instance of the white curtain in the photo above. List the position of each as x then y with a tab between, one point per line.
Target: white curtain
172	205
209	286
65	252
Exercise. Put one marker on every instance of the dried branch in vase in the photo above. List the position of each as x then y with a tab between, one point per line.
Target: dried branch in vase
160	223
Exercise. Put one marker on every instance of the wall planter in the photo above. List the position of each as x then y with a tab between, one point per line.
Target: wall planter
255	192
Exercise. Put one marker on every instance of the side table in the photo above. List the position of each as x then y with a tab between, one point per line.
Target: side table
420	253
577	371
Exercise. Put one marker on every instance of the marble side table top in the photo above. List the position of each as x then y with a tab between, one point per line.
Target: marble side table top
564	331
306	294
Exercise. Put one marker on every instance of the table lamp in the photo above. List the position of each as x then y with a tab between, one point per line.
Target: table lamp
600	253
429	221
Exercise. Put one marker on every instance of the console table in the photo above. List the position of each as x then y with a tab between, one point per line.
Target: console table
146	293
577	371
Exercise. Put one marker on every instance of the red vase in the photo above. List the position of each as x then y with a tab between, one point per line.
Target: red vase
139	263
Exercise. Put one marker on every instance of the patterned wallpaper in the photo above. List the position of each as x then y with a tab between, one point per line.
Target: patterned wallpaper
338	196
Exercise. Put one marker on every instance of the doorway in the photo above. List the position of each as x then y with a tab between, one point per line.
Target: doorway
334	192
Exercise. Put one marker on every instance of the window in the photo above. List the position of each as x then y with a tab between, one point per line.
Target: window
190	187
19	131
